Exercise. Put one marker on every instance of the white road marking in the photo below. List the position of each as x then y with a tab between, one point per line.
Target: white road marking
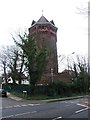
22	114
24	105
86	108
82	105
19	114
81	110
9	107
31	104
20	106
8	116
33	111
16	106
57	118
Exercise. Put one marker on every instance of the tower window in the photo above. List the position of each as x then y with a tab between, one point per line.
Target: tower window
43	27
40	27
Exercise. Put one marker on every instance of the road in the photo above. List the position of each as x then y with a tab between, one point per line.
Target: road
76	108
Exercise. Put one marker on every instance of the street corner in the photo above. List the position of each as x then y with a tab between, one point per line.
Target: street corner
14	97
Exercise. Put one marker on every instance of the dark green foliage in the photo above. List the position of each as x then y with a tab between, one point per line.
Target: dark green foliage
35	58
80	77
60	88
19	88
52	90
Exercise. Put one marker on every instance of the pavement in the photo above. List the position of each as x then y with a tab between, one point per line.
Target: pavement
13	97
44	101
24	100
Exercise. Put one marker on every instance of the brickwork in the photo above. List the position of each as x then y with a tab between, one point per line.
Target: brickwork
45	34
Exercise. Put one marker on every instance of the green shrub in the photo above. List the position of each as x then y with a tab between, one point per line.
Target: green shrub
19	88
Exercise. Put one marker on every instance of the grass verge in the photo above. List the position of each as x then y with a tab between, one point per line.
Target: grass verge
46	97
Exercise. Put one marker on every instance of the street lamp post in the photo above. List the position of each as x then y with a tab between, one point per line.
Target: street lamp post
68	59
52	74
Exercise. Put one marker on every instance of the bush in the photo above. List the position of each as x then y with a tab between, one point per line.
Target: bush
60	88
52	89
19	88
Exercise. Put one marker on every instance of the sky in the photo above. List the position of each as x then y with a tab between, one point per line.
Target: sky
72	35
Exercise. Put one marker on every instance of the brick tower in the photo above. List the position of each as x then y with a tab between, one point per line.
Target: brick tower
45	33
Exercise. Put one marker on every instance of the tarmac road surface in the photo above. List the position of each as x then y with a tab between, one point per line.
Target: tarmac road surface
16	108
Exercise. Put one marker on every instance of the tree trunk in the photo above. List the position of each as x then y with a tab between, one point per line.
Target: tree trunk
13	78
20	81
5	75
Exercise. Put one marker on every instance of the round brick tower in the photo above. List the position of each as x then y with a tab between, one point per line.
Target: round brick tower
45	34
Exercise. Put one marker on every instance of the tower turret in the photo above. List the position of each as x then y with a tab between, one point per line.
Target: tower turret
45	34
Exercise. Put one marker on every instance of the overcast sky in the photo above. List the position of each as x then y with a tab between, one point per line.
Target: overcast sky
16	15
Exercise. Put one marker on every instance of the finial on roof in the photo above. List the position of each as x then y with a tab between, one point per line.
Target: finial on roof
42	12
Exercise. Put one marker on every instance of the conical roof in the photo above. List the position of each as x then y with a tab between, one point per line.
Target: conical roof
42	19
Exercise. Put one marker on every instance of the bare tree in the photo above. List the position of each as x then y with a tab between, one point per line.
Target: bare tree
16	65
4	62
80	76
61	60
12	63
84	8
